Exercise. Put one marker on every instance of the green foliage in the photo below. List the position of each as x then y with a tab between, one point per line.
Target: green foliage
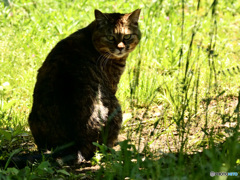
119	164
180	89
42	171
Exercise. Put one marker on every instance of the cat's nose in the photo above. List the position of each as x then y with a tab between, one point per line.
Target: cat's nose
120	49
120	46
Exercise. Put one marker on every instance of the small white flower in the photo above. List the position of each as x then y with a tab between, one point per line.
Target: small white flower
6	84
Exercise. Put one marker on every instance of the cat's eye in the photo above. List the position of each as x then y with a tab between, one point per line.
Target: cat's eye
127	37
110	38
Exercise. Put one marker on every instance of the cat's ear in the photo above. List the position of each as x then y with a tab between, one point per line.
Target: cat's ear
134	16
100	17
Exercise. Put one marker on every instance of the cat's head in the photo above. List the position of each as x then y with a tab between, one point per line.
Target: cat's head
116	34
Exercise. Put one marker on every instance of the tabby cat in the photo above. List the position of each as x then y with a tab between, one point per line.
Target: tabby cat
74	102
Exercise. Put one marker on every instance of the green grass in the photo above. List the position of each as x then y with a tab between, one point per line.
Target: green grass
179	92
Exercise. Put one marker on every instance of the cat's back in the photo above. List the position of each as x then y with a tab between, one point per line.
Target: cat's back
70	79
73	58
77	47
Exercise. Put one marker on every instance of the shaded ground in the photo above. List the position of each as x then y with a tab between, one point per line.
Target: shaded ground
149	128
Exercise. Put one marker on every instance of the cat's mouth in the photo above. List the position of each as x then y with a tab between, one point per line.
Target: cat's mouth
115	53
119	53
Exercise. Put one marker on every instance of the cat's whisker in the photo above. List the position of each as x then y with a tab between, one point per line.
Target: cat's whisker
100	60
103	61
106	60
